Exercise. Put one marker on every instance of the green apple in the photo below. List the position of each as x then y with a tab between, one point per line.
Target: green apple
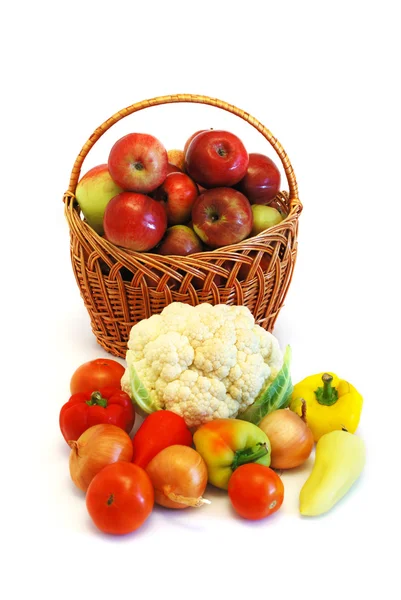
264	217
94	191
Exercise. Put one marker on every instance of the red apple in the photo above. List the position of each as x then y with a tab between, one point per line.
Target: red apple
178	194
134	221
172	169
179	240
216	159
222	216
189	140
138	162
262	180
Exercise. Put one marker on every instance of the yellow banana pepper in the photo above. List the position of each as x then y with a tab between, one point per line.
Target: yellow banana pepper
331	403
339	461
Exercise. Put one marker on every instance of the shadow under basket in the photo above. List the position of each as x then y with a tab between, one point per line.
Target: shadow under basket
120	287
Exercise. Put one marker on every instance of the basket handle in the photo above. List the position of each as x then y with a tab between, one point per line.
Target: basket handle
76	170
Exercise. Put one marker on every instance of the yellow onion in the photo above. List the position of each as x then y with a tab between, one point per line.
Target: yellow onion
290	438
97	447
179	477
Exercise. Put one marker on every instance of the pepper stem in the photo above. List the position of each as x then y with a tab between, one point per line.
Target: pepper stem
326	395
249	455
97	398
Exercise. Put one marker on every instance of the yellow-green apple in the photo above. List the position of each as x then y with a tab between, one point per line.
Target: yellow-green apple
222	216
176	157
138	162
177	194
94	191
134	221
264	217
262	180
216	159
179	240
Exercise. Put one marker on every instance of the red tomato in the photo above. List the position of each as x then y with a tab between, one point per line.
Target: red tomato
255	491
95	374
120	498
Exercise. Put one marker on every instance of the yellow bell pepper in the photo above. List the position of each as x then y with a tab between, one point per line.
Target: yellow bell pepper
331	403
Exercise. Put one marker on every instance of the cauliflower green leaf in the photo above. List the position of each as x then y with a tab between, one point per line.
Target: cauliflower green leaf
139	392
275	395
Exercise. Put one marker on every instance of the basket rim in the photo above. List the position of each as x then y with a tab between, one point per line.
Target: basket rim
72	206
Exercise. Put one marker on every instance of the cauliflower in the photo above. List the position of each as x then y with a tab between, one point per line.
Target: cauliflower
204	362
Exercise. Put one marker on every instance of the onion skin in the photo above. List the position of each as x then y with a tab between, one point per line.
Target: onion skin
180	470
97	447
290	437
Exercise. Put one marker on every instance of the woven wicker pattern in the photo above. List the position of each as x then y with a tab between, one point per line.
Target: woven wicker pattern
120	287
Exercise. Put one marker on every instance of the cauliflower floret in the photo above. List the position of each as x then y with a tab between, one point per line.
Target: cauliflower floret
177	309
248	342
215	357
240	315
246	386
199	400
204	309
269	349
203	362
164	359
142	333
169	355
196	330
175	317
150	329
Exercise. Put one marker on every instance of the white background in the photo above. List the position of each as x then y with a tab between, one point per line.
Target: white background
323	77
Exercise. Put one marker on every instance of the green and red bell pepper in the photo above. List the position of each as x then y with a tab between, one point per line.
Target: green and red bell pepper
226	444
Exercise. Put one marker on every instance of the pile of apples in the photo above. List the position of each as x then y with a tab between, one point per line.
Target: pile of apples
178	202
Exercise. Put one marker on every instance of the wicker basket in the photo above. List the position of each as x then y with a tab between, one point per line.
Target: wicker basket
120	287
